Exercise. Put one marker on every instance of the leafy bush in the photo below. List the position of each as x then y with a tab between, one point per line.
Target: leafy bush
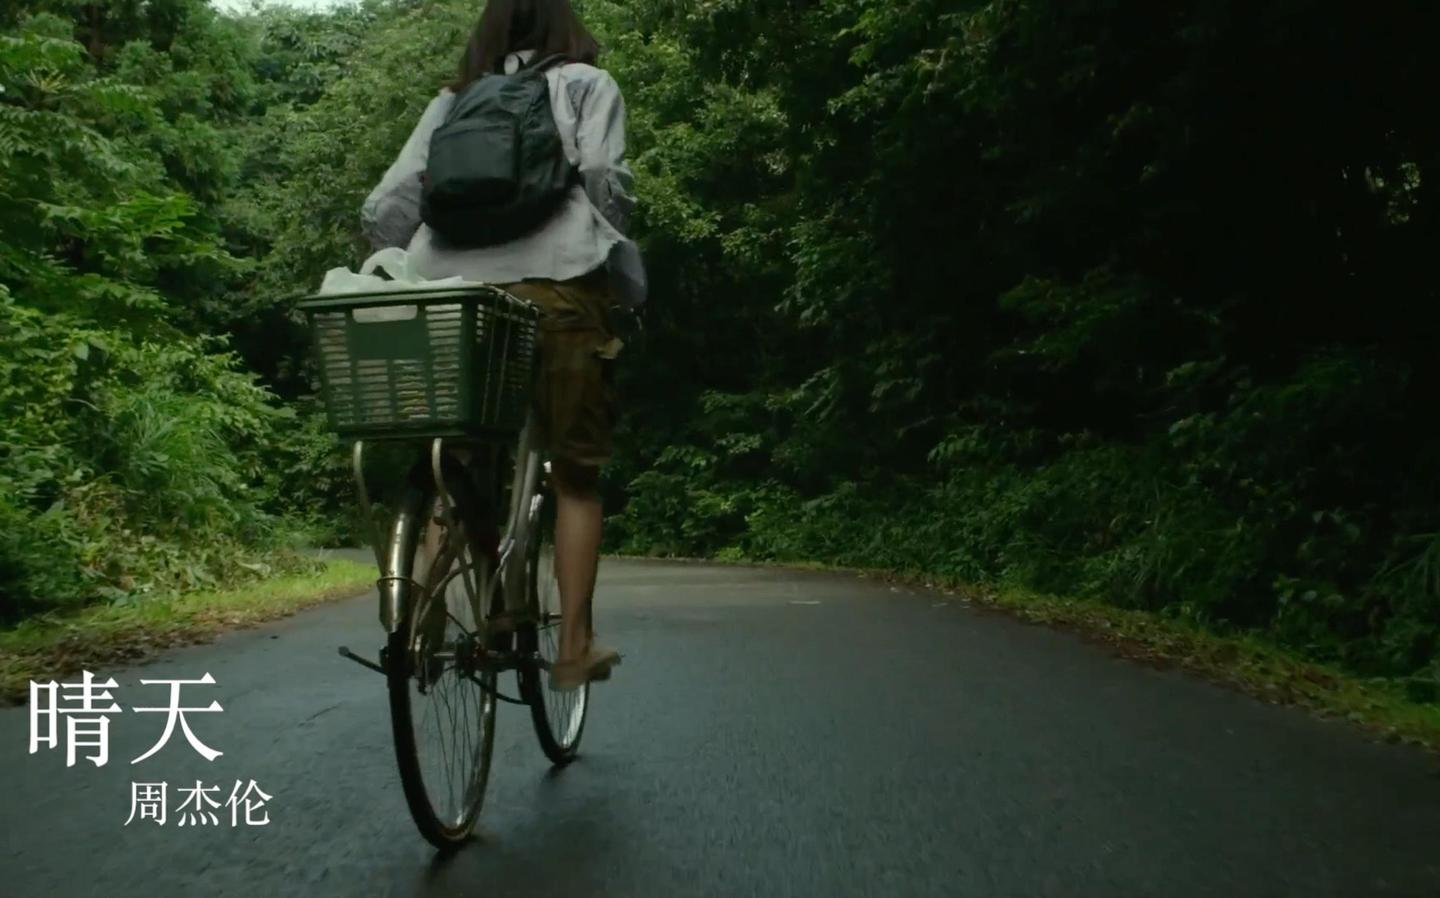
132	452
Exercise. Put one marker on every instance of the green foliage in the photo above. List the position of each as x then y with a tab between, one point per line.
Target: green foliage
1111	299
1104	299
133	450
127	465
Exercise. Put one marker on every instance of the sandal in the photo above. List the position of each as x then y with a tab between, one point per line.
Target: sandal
595	665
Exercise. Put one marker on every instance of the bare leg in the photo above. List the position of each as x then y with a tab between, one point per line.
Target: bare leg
578	515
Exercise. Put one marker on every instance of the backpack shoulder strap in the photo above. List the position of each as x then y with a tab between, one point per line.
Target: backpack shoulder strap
466	98
541	65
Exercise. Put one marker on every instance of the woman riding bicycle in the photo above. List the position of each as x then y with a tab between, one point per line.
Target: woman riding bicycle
576	264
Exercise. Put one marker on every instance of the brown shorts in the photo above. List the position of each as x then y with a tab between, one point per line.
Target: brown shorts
576	405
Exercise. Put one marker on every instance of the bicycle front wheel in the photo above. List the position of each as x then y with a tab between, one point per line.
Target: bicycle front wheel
442	693
559	717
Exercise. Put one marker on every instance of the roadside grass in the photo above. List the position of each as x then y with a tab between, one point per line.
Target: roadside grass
1241	661
49	647
1238	660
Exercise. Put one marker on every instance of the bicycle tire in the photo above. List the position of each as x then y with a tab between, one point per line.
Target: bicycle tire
559	717
446	831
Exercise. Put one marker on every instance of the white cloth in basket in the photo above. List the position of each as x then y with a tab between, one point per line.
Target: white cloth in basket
395	262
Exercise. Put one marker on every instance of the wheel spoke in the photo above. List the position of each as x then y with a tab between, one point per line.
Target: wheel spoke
559	716
451	714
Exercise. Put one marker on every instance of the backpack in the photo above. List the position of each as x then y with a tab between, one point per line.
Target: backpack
497	169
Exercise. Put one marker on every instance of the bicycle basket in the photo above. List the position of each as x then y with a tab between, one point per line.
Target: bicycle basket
456	361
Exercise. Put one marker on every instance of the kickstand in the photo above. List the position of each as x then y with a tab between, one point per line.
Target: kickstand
363	662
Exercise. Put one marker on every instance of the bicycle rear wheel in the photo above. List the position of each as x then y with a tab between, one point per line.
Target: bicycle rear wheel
559	717
442	694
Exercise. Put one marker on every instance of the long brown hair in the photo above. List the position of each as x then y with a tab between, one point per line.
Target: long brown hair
549	27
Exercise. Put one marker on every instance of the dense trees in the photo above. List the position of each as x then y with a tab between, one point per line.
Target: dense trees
136	453
1112	298
1102	297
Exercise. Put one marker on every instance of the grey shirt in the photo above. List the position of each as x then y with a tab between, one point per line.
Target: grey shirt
586	232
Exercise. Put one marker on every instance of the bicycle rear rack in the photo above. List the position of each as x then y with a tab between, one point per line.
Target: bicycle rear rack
391	584
507	572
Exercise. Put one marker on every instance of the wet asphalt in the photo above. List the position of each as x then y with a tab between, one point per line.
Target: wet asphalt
771	733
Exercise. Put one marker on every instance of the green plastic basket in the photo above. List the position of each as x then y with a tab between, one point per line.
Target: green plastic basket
449	362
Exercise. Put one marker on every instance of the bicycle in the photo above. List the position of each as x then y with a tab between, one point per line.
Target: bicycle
462	601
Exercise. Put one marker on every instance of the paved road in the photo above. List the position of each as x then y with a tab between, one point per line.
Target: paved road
772	733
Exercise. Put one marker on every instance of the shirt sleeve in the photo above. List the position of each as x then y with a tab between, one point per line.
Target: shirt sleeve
391	213
600	139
